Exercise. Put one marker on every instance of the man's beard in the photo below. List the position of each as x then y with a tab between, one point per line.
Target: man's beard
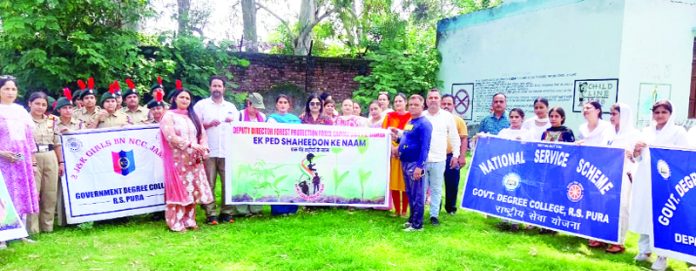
217	94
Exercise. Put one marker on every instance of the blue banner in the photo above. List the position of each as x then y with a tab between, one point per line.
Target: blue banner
564	187
674	202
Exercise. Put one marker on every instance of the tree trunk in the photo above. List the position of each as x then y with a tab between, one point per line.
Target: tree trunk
249	18
307	20
183	7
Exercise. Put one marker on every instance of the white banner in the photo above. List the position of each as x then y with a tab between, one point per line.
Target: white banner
11	226
112	173
298	164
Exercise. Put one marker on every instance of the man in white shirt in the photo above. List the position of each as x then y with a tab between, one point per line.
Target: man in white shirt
216	115
444	132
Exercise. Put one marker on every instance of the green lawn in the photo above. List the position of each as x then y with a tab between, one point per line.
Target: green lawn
335	239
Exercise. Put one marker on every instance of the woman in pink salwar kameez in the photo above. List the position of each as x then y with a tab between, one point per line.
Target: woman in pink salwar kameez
17	148
185	148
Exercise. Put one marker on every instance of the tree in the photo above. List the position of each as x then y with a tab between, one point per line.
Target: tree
48	44
312	12
192	19
249	18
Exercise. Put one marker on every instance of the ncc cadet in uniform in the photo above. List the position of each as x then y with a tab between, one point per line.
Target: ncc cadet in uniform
157	108
65	110
66	123
137	113
109	116
49	163
89	103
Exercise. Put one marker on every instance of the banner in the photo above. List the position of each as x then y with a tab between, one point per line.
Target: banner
112	173
564	187
11	226
271	163
674	202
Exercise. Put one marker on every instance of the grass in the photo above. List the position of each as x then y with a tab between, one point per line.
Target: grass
328	239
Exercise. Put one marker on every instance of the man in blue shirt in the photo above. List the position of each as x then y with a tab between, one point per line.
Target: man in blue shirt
413	151
497	121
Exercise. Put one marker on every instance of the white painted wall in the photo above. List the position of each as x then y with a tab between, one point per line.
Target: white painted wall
657	49
636	41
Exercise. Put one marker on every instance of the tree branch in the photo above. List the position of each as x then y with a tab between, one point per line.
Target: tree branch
283	21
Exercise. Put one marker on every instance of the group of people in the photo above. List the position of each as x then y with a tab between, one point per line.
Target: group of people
30	147
429	146
620	132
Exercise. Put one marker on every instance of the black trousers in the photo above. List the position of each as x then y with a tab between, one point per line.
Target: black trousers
451	186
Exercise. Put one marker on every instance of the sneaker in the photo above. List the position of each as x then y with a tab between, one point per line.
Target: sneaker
211	220
407	225
452	212
660	264
434	221
411	229
642	257
3	245
226	218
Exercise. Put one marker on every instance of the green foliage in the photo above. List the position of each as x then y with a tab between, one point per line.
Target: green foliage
406	62
48	44
196	60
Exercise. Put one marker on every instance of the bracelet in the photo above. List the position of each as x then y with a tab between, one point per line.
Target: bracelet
61	162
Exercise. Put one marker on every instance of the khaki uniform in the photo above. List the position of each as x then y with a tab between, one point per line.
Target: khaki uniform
116	119
139	116
151	121
45	174
84	117
74	125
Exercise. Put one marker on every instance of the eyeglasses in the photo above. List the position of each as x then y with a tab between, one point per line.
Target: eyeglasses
315	103
6	77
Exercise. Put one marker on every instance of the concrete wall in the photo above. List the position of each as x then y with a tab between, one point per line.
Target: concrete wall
556	48
656	55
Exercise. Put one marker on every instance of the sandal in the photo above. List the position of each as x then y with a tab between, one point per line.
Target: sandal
615	249
594	244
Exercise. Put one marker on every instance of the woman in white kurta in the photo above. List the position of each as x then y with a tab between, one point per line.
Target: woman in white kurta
623	135
591	132
515	132
537	125
662	132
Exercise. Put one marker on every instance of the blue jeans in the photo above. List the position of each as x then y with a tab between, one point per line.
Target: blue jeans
434	177
416	195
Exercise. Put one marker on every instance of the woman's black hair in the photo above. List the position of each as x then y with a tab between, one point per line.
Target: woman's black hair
560	111
403	96
283	96
541	100
38	95
191	114
518	110
597	106
7	78
661	103
323	96
616	107
309	99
